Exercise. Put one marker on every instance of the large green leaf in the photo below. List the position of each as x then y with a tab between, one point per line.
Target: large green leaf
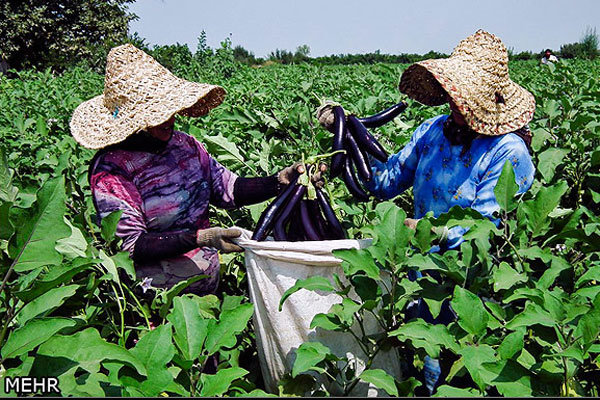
308	355
538	209
88	350
512	344
474	357
549	160
506	277
532	315
37	236
190	327
219	383
222	334
381	380
312	283
510	378
32	334
506	188
450	391
46	303
8	192
472	316
109	225
155	350
431	338
73	246
355	261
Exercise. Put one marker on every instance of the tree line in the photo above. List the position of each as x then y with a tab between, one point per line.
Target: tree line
62	33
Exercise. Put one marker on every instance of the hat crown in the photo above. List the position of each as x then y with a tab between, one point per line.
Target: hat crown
485	50
130	73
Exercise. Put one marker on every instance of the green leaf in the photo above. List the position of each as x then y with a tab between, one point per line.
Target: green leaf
537	210
549	160
32	334
46	303
167	296
308	355
381	380
506	188
155	350
122	260
450	391
431	338
510	378
56	276
424	236
88	350
190	327
532	315
474	357
592	274
312	283
512	344
226	150
219	383
506	277
109	225
355	261
472	316
222	334
73	246
8	192
327	322
540	135
37	235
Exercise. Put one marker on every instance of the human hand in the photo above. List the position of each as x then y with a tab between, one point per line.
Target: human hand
411	223
219	238
288	174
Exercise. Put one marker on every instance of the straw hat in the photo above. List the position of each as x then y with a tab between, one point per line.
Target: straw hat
138	93
476	78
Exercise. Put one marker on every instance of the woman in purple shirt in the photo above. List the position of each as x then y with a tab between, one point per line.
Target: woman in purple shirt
160	179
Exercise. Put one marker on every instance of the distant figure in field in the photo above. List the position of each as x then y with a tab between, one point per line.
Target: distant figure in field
549	57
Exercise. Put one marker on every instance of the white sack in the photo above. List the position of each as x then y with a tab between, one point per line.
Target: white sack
274	267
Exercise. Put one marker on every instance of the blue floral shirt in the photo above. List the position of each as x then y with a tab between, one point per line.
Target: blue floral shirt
441	178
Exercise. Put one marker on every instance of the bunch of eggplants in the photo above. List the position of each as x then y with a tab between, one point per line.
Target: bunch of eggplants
352	136
293	217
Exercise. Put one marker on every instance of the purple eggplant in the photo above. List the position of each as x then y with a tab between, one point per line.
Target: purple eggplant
279	227
319	221
339	127
360	160
333	224
307	222
382	118
352	183
365	140
268	217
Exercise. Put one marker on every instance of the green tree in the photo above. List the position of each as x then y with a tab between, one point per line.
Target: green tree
58	33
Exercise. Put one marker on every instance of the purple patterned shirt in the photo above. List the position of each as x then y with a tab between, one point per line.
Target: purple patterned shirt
168	192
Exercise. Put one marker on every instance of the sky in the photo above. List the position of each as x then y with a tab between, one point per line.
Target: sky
341	27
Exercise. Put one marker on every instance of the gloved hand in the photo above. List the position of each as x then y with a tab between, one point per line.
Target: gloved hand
219	238
287	175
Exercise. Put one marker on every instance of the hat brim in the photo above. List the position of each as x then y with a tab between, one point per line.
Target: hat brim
95	126
468	85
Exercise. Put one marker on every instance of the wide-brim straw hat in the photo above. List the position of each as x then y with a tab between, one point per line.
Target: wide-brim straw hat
138	93
476	77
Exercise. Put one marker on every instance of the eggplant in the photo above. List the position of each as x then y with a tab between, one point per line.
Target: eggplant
333	224
385	116
295	229
279	227
339	127
360	160
268	217
366	140
352	183
307	222
319	221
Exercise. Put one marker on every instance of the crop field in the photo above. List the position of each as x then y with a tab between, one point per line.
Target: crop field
526	294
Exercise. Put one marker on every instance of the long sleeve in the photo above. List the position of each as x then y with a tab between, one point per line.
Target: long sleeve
248	191
154	246
112	191
514	150
398	173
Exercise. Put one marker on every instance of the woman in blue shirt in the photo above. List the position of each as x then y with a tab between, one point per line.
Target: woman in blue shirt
457	159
